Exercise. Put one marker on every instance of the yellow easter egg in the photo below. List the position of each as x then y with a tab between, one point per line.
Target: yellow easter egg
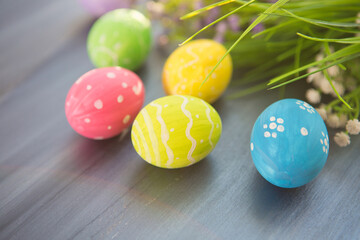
187	67
176	131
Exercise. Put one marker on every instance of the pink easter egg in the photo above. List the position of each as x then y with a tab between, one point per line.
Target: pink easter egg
100	7
104	101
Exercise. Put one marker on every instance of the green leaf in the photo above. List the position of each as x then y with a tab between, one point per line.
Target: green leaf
351	40
258	20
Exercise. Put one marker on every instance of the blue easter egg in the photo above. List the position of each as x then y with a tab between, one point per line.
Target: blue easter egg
289	143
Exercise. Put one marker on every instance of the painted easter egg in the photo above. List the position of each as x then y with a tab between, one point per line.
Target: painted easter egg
103	102
120	38
187	67
176	131
100	7
289	143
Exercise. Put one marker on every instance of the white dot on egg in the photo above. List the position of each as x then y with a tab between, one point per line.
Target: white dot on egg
274	134
183	87
280	128
252	146
326	151
111	75
166	105
87	120
109	127
120	98
323	134
302	107
88	87
265	126
280	120
124	85
272	118
177	158
172	129
98	104
308	110
304	131
272	125
197	115
217	125
68	103
117	46
266	134
322	142
126	74
201	141
126	119
102	38
325	142
323	148
307	105
136	90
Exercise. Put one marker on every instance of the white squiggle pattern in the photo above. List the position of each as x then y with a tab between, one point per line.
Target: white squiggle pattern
196	59
137	142
153	138
164	134
211	122
146	147
187	131
107	51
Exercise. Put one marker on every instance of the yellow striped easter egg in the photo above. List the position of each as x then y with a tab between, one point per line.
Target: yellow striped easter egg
187	67
176	131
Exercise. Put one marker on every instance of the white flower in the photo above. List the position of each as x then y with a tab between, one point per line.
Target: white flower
319	57
313	96
353	126
343	120
333	70
357	21
342	139
339	87
322	113
350	83
313	76
333	121
325	86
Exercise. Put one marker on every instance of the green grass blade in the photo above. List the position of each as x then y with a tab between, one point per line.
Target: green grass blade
248	91
207	8
336	92
351	40
346	51
259	19
319	70
320	23
216	21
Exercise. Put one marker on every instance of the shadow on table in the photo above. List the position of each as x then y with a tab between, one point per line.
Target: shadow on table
173	186
270	201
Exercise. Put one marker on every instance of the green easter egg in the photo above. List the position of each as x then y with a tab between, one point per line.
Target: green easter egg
176	131
120	38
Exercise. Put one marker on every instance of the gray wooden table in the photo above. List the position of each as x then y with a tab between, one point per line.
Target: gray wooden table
55	184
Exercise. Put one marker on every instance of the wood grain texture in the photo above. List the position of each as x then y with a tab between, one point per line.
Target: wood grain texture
55	184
